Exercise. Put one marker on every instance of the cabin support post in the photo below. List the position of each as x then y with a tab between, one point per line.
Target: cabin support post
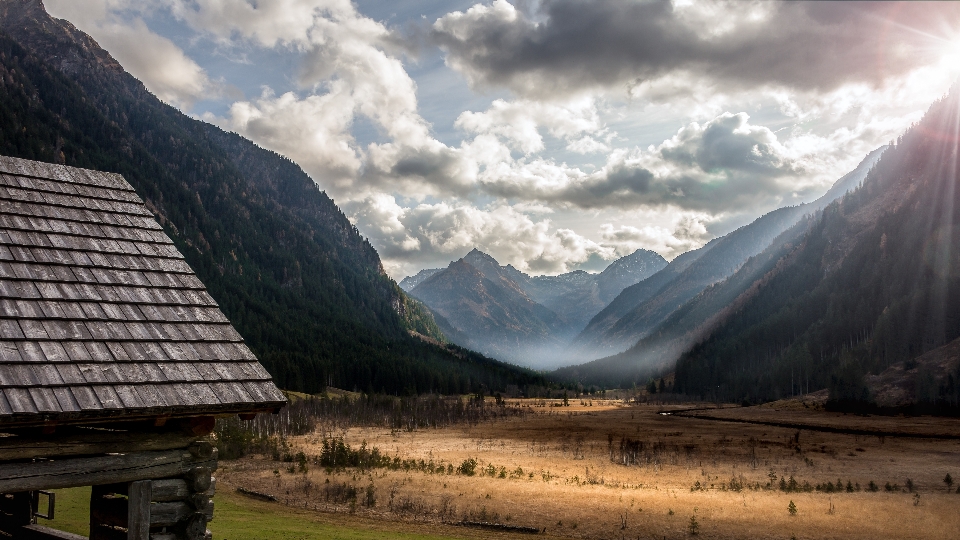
139	495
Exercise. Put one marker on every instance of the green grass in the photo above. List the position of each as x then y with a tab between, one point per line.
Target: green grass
240	518
72	511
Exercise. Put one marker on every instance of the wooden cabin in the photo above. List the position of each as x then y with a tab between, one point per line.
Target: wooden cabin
114	361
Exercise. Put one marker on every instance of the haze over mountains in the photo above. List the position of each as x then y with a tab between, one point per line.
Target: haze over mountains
524	319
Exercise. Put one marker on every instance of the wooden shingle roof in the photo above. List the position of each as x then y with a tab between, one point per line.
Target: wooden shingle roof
100	316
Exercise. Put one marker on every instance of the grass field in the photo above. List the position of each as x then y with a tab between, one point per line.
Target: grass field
554	470
241	518
561	470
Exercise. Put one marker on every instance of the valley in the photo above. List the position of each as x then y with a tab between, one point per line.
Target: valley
560	469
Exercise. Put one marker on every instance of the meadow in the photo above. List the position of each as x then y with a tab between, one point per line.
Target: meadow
614	469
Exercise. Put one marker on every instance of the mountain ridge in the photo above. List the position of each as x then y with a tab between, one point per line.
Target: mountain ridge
535	316
619	326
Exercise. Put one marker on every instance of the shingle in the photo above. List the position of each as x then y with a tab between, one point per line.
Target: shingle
20	401
135	352
150	396
111	372
129	398
86	398
153	372
189	394
9	352
207	372
172	372
271	392
76	351
132	373
52	309
70	373
117	350
22	375
8	308
170	395
9	329
225	393
31	352
154	351
54	351
92	310
47	375
4	404
65	398
92	373
204	393
108	397
44	400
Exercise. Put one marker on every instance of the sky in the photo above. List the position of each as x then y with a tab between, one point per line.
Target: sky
554	135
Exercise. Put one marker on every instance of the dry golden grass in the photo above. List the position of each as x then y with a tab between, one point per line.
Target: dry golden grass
575	491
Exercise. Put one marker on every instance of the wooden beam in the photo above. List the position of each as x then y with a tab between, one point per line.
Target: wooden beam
139	495
39	532
74	472
176	489
89	442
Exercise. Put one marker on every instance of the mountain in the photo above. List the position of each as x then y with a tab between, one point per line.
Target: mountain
479	298
579	295
409	282
643	307
506	313
873	286
297	280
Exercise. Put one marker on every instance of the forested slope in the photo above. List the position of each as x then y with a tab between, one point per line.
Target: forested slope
306	291
876	281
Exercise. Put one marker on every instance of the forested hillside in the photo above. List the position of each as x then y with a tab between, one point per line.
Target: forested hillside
875	282
306	291
644	308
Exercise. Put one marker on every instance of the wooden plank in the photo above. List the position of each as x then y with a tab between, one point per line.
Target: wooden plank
39	532
73	472
88	442
139	495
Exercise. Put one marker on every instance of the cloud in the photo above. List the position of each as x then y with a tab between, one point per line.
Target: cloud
313	130
565	47
426	235
689	231
159	63
519	122
724	164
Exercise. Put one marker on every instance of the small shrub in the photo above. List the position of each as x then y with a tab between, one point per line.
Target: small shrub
792	508
468	467
693	527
